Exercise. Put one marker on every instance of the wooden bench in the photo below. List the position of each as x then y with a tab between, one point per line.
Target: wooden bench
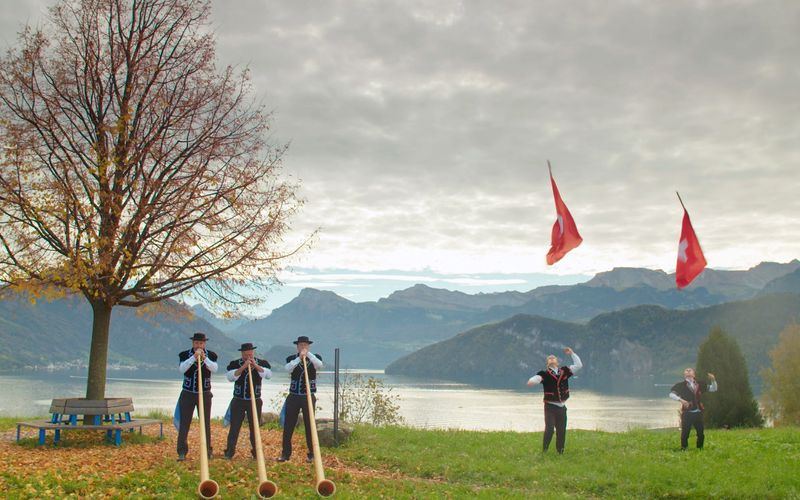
112	410
112	415
114	429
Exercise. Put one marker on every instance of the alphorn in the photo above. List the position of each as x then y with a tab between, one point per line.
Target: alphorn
324	487
208	488
266	488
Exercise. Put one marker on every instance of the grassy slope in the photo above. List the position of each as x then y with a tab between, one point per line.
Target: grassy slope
407	463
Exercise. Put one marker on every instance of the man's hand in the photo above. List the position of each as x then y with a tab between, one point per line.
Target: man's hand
711	376
568	351
685	405
530	383
304	353
199	354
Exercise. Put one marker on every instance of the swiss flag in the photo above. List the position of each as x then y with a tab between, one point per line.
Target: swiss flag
691	261
565	235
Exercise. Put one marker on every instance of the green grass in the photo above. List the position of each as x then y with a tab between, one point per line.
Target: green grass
757	463
399	462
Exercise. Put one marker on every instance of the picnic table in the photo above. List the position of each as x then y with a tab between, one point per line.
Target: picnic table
112	415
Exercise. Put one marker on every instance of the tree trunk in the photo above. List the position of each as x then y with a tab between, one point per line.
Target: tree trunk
98	353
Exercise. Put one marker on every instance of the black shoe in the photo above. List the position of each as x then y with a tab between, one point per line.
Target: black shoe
181	457
282	459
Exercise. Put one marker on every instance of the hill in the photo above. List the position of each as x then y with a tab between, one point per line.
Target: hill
633	347
58	333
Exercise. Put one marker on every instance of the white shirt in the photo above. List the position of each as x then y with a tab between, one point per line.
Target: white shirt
211	365
290	366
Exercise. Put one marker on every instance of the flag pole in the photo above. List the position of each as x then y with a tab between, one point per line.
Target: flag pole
549	168
680	200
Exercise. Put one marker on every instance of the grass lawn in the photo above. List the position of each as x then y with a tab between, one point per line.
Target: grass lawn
400	462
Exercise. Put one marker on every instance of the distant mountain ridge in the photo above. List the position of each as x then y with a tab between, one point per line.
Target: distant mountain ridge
223	324
58	333
373	334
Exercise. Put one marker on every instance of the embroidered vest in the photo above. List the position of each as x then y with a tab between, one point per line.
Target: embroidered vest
190	375
298	383
556	386
241	387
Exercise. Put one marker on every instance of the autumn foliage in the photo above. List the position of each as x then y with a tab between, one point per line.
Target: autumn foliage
132	169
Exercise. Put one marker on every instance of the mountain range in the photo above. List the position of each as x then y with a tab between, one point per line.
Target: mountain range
370	334
58	333
373	334
635	347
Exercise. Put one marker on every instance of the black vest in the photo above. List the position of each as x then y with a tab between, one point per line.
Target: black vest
556	387
241	387
298	383
683	391
190	376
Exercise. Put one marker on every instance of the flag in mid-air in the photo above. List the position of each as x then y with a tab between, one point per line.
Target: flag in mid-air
565	235
691	261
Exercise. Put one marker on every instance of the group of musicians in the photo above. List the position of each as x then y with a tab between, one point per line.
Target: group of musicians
241	406
554	379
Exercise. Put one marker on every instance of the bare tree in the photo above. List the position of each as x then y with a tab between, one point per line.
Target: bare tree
132	169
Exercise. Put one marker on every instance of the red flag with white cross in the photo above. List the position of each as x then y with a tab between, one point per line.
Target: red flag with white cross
691	260
564	236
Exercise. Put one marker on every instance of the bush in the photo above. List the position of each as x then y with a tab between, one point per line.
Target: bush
367	400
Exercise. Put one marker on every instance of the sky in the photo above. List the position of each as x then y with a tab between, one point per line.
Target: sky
420	131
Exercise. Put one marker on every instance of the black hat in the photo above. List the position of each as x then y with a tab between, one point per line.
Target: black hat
199	336
302	338
247	346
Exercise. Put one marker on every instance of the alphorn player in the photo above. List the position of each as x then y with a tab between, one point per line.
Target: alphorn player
555	382
240	404
188	399
296	399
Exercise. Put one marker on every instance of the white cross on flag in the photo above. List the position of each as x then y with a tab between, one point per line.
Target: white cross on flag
564	236
691	261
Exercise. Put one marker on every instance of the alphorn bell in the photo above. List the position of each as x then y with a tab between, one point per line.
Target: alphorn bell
325	487
208	488
266	488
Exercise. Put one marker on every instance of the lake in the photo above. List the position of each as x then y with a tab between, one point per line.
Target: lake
429	404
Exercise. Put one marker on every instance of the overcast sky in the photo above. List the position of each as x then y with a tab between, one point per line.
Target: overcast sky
420	130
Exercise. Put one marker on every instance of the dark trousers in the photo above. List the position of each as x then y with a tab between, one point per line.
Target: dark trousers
691	419
188	403
295	403
240	408
555	418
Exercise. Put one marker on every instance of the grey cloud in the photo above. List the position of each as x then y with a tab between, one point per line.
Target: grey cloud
427	124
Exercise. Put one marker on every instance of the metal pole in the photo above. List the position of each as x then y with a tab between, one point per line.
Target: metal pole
336	396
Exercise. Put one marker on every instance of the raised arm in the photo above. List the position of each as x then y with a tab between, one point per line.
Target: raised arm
576	361
712	386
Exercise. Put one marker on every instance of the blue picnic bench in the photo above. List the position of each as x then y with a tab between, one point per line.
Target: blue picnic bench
112	415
